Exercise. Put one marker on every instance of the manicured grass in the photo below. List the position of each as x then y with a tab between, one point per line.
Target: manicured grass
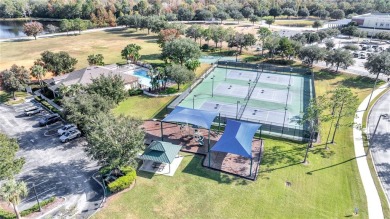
6	97
108	43
143	107
328	187
293	23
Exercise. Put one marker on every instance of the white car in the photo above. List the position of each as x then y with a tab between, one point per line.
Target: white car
66	128
31	108
34	111
70	135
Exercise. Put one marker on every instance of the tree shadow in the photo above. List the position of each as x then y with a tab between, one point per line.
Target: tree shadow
195	167
149	38
281	158
151	57
325	74
334	165
359	82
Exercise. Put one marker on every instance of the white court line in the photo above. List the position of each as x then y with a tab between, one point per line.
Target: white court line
266	119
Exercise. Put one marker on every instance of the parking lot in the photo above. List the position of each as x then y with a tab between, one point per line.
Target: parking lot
361	58
54	168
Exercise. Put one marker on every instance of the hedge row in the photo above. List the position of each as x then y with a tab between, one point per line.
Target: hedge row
35	208
123	182
48	105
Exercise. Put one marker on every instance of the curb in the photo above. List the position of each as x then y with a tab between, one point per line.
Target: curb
54	209
104	196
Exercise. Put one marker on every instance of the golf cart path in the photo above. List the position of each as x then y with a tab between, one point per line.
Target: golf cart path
374	206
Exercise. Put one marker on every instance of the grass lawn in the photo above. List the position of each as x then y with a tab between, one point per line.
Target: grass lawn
293	23
108	43
328	187
142	106
6	97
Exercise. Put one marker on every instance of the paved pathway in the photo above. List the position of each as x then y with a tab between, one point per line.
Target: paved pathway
373	201
380	140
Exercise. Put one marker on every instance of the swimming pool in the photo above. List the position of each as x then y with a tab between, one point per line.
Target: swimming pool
142	74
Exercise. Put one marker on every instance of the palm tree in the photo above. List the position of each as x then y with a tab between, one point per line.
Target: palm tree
12	191
131	52
38	71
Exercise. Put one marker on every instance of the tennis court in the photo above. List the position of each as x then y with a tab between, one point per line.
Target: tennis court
273	96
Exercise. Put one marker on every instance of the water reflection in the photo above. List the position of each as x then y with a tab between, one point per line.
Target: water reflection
13	29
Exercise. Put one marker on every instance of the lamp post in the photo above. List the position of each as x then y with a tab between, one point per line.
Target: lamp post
212	86
249	87
369	100
238	102
36	197
226	70
257	73
193	101
385	116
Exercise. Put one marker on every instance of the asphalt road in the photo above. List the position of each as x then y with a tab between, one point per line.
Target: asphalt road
56	169
380	140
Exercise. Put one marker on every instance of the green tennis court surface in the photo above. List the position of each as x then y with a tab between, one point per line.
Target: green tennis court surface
272	97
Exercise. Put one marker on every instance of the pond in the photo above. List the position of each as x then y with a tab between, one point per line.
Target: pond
14	28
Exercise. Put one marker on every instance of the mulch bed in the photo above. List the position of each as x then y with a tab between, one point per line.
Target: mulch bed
225	162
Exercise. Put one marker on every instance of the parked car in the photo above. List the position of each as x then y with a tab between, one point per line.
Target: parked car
50	119
366	41
31	108
258	48
362	56
66	128
70	135
355	55
34	111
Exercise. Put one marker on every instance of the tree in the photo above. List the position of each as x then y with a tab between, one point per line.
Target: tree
195	32
244	40
83	109
95	59
345	103
32	29
184	14
38	72
289	12
303	12
203	15
52	28
15	79
58	63
247	11
311	54
311	37
378	64
275	12
317	24
237	16
180	74
180	51
110	87
285	47
253	18
79	25
115	141
66	26
217	34
12	191
192	64
141	7
339	57
269	21
9	165
329	44
131	52
167	35
337	14
149	22
263	34
272	43
349	30
221	15
321	13
313	112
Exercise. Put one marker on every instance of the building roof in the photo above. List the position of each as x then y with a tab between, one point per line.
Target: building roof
161	152
86	75
237	138
191	116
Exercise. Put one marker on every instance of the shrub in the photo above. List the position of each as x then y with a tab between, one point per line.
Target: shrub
205	47
280	61
35	208
351	47
123	182
135	92
168	90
